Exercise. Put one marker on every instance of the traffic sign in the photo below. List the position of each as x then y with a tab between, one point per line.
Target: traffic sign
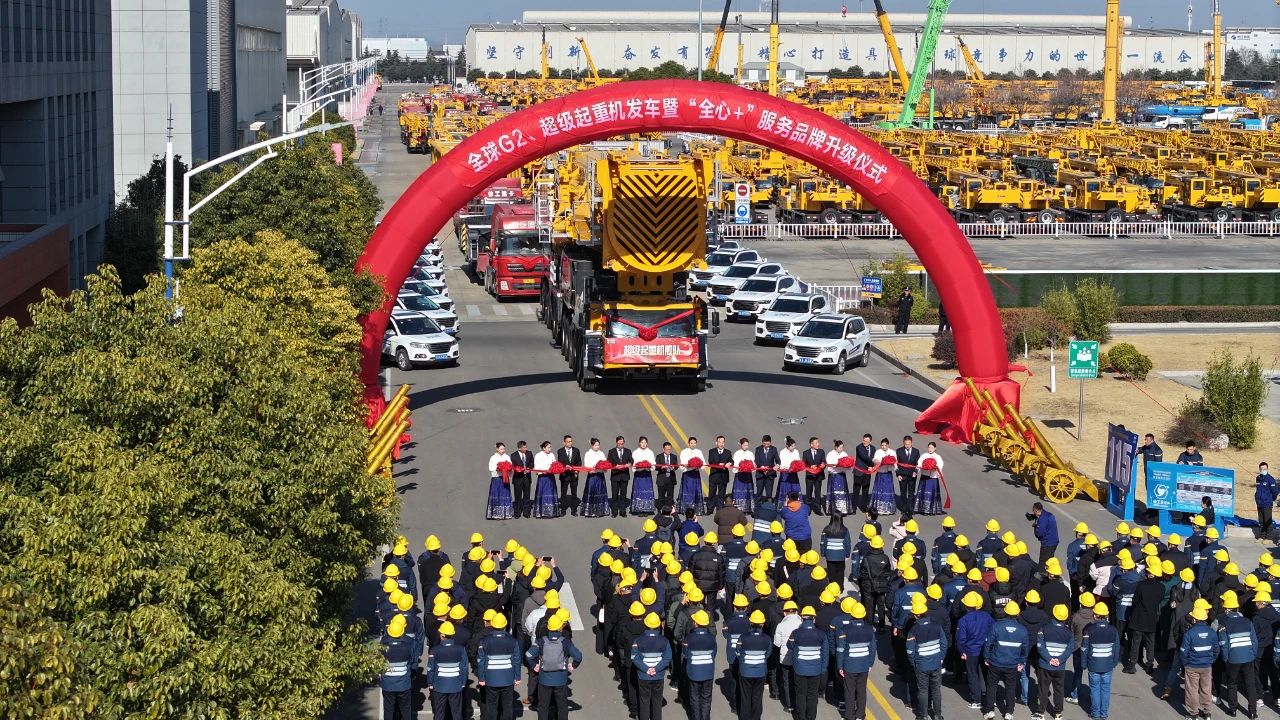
742	190
1082	360
872	286
741	204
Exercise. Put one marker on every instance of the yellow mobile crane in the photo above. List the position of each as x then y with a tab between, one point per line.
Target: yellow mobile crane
886	29
617	302
978	77
545	54
713	61
774	45
591	65
1111	64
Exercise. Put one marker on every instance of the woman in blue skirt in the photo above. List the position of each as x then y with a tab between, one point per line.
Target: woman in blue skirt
499	505
546	504
883	500
690	497
929	496
838	483
744	489
595	497
789	478
642	458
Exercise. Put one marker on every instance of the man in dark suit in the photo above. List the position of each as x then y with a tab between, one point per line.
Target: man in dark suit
815	456
718	478
766	457
569	456
521	461
908	464
864	456
620	456
666	480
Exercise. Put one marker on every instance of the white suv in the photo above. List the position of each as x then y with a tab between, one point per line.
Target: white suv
724	284
414	339
758	293
829	341
446	319
441	297
717	263
784	318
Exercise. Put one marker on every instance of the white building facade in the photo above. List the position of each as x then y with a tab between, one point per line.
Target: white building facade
318	33
821	42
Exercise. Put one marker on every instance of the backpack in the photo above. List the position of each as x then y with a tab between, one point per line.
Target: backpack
665	533
553	655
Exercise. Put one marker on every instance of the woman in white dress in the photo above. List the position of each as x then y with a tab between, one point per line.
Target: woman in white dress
929	495
838	482
788	481
690	496
499	505
642	459
595	496
744	493
883	500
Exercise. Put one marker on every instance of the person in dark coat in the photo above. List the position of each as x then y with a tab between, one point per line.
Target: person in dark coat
569	456
619	477
864	456
902	317
1143	619
521	481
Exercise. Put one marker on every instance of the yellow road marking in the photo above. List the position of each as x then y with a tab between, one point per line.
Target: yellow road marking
684	435
880	698
662	428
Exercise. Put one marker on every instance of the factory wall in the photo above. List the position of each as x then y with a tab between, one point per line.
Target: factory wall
506	50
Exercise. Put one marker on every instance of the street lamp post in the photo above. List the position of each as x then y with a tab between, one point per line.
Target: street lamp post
699	39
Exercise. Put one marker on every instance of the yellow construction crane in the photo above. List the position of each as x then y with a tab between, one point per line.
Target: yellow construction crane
546	59
1216	89
738	75
975	72
713	61
887	30
591	65
1111	64
774	44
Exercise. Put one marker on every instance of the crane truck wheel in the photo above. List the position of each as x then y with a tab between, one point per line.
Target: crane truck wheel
1046	217
1115	215
1221	214
830	217
998	216
1275	215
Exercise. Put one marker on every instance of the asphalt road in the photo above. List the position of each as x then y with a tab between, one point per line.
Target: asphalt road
511	385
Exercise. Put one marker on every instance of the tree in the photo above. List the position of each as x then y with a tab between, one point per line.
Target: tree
1132	93
1068	97
189	512
1233	396
1018	96
135	228
460	63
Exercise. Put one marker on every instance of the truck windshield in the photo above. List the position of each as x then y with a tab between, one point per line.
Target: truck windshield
418	302
740	271
523	242
720	259
681	328
822	330
763	285
790	305
416	326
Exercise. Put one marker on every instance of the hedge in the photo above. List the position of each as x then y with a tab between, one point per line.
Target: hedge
1128	314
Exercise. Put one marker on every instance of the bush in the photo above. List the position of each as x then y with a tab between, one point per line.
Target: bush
1233	396
1198	313
1191	423
1097	303
1126	359
1059	308
944	349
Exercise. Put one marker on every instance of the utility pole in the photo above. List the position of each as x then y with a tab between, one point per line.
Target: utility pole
699	40
168	208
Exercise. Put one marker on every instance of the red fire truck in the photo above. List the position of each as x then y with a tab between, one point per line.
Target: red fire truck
514	262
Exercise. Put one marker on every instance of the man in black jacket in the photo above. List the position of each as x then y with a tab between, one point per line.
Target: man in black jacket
569	456
814	456
707	566
1144	618
908	464
718	478
619	477
873	581
766	457
521	461
903	306
666	480
864	456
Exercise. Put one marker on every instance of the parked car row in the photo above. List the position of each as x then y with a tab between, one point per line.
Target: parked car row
423	329
784	310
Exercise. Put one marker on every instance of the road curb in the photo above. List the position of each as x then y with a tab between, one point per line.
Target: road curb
907	369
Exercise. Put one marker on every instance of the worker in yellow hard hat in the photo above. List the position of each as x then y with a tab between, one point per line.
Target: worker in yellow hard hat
396	682
554	658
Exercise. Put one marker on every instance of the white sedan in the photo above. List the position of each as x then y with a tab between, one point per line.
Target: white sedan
831	342
784	318
414	339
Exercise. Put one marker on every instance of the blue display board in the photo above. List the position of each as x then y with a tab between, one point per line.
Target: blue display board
1179	489
1121	471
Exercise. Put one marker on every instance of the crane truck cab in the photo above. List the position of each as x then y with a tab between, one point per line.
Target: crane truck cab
472	223
515	261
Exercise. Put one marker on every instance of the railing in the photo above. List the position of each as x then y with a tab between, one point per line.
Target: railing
839	297
1164	230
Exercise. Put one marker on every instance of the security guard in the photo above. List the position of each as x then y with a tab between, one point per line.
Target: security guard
1006	654
926	649
397	680
807	649
700	666
498	671
944	544
753	650
447	675
1239	645
1054	646
856	653
651	656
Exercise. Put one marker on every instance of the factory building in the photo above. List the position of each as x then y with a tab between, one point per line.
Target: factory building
820	42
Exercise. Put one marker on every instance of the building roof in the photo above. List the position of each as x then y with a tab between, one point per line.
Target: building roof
829	28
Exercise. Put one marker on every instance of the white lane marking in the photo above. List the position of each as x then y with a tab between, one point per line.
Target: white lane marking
567	601
526	309
473	310
499	310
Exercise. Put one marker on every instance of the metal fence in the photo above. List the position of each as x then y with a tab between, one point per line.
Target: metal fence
839	297
1164	230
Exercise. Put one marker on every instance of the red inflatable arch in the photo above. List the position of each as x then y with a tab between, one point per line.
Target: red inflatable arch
719	109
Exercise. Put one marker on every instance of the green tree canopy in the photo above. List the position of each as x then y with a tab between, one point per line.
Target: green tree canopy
183	504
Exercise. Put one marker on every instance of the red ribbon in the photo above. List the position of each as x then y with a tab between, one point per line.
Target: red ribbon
649	333
695	463
796	466
746	466
603	465
845	463
644	465
815	469
504	469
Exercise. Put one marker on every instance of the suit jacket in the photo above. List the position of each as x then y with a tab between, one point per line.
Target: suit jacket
813	457
572	457
865	457
666	459
767	457
718	456
520	461
908	456
619	456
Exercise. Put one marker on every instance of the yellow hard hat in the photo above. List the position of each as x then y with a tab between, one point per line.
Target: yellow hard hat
1126	563
616	567
810	557
740	601
1186	575
499	622
1101	609
1090	539
847	605
637	609
448	571
1212	533
962	540
1174	540
869	531
1002	574
738	530
1154	531
628	577
446	629
563	613
756	618
1150	550
1202	604
696	595
993	526
785	592
1263	595
934	591
1008	538
457	612
1011	609
1052	566
432	543
775	527
808	611
1012	550
649	525
395	629
972	600
792	555
1033	596
909	550
1104	545
762	588
790	605
1199	614
711	538
476	538
1124	553
1082	528
919	605
911	526
552	599
394	596
990	564
1231	569
1087	600
859	611
910	574
401	546
1061	613
1166	567
954	562
877	542
1274	570
672	567
1265	559
487	565
475	554
390	585
789	544
1230	601
615	542
512	545
1155	571
405	603
488	614
391	570
760	573
974	574
648	596
1251	581
605	559
1122	528
555	623
1198	520
1135	533
753	547
538	582
606	534
700	618
819	573
948	522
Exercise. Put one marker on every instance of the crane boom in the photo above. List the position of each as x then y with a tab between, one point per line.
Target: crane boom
546	61
591	65
713	61
924	60
975	72
1111	66
887	30
774	44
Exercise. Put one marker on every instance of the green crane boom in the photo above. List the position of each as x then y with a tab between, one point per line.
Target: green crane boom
924	60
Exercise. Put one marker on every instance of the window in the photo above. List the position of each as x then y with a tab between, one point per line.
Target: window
822	330
681	328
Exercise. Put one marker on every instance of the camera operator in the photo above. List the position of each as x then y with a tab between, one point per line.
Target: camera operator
1046	527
